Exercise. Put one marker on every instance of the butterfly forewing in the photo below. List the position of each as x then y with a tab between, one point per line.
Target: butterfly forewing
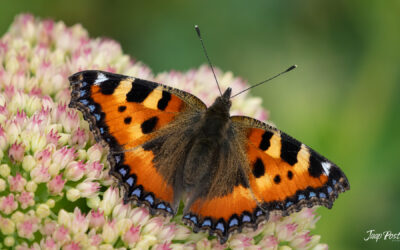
124	113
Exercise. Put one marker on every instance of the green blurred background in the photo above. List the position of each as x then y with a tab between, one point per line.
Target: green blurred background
343	100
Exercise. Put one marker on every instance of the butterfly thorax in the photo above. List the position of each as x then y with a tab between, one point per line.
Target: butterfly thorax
207	143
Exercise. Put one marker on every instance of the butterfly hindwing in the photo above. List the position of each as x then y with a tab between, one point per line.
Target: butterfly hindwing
124	113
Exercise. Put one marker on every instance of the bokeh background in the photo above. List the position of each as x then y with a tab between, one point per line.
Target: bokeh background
343	100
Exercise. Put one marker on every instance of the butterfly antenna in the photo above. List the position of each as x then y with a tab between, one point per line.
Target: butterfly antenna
208	59
269	79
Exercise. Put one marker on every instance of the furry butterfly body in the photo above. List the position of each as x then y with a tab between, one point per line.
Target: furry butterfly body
165	146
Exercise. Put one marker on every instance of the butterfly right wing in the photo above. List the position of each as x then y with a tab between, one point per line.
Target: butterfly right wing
129	115
285	174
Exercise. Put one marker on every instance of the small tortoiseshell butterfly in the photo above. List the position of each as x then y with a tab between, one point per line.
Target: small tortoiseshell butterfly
231	171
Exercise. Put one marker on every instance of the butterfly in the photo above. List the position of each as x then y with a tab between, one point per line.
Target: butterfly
165	145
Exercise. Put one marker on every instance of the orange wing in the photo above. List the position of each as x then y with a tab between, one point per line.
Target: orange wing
287	175
124	113
282	175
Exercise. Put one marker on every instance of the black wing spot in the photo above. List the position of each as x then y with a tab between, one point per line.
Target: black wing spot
121	108
258	168
290	148
315	169
163	102
149	125
277	179
265	141
107	87
127	120
289	175
140	90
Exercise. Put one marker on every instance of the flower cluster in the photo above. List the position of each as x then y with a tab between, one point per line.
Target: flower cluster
55	191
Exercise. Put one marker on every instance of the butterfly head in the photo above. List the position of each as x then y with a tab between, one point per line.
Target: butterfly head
222	104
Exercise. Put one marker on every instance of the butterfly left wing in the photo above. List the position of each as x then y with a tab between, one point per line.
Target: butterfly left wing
125	114
281	175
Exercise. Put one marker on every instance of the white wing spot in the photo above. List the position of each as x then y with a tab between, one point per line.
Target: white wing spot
327	167
100	78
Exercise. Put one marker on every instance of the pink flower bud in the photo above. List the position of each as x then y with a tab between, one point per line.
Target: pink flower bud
16	152
163	246
26	200
79	223
241	241
48	228
110	232
80	137
88	188
94	169
301	240
72	246
17	183
44	156
27	228
8	204
56	185
75	170
95	240
131	236
139	216
40	174
64	156
286	232
269	242
96	219
3	138
61	235
48	244
53	137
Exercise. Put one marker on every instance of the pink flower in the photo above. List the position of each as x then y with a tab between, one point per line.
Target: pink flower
131	236
8	204
94	169
72	246
48	244
95	240
53	137
80	137
56	185
3	138
71	121
241	242
44	156
79	223
88	188
139	216
75	171
16	152
96	219
285	232
17	183
301	240
269	242
167	233
48	228
40	174
64	156
110	232
163	246
61	235
26	200
27	228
